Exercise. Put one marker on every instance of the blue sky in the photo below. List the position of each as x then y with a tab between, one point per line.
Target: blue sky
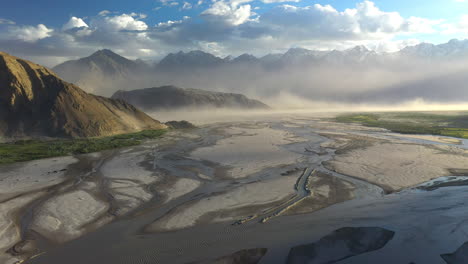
54	12
152	28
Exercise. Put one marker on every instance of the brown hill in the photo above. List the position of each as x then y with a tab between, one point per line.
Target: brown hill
171	97
35	102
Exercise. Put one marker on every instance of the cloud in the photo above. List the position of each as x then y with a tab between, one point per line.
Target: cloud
119	23
229	13
460	26
170	23
104	12
169	2
229	27
319	22
186	6
74	22
27	33
6	21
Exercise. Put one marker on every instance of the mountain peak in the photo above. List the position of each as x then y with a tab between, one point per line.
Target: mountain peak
297	51
105	62
359	48
245	58
105	52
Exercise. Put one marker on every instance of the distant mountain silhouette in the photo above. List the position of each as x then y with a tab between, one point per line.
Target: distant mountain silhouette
101	69
190	59
171	97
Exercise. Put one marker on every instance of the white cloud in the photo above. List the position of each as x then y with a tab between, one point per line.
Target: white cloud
140	15
120	22
104	12
28	33
229	26
74	22
169	23
187	5
459	27
366	21
169	2
230	13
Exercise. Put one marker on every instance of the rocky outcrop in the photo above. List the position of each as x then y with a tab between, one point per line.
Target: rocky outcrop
35	102
341	244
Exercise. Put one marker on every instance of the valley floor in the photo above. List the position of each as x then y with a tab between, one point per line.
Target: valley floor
261	186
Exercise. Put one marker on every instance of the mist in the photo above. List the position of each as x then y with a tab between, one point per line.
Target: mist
377	81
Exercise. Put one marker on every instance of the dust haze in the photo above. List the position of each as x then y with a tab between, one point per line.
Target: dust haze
384	83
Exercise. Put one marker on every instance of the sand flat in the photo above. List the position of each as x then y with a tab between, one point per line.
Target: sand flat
128	166
248	195
396	166
181	187
9	228
250	150
64	217
33	175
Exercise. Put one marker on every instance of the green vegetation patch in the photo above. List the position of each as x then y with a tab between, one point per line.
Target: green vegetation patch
26	150
413	123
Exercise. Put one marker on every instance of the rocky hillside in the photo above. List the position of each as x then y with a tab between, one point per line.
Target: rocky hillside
171	97
35	102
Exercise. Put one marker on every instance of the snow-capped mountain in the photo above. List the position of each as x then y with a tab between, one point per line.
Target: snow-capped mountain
453	49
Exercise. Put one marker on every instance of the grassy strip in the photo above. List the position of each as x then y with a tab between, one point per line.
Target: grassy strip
443	125
26	150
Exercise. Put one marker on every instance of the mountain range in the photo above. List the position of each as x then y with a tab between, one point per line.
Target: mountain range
171	97
308	74
107	62
34	101
111	65
454	49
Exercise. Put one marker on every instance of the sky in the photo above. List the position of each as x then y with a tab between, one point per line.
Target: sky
52	31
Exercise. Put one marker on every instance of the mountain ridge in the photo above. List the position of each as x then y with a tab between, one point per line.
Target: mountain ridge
172	97
35	102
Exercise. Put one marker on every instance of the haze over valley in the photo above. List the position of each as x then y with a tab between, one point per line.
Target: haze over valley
433	74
